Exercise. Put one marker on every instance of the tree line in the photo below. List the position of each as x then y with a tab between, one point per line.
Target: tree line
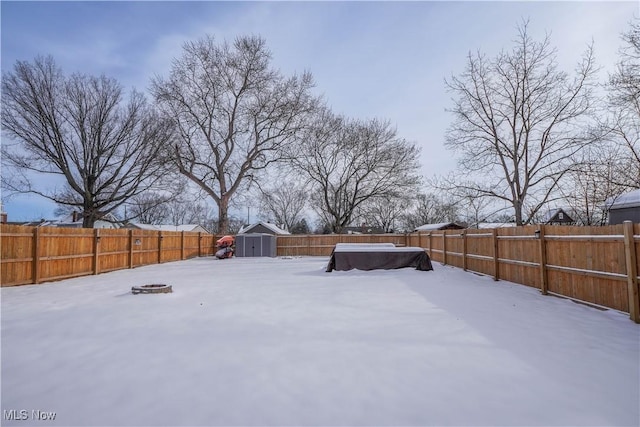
225	126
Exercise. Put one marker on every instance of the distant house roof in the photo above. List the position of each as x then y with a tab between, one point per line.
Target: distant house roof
626	200
485	225
75	220
557	215
440	226
262	227
167	227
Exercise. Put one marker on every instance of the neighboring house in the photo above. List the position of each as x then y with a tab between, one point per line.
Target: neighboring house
625	207
262	227
193	228
440	226
558	217
74	220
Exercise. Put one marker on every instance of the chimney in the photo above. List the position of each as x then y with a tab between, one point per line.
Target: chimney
3	217
75	216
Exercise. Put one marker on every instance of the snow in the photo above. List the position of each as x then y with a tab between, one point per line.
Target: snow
270	341
273	227
374	247
626	200
169	227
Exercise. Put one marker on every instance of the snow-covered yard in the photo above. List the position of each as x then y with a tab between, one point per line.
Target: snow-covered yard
280	342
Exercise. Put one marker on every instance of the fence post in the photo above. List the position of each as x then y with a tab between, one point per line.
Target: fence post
463	233
35	267
430	246
308	245
130	248
544	280
199	244
444	247
182	245
96	250
496	268
160	237
632	271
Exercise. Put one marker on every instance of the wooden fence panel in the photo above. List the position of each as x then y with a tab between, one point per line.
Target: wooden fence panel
518	255
480	251
191	241
65	252
16	255
566	250
208	244
435	245
171	246
455	245
147	248
113	249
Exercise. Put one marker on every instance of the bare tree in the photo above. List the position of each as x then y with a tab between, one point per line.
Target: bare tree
429	209
233	112
519	120
350	162
624	106
186	210
284	202
474	207
82	129
385	212
148	208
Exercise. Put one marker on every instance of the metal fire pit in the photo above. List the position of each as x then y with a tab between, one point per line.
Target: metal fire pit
151	289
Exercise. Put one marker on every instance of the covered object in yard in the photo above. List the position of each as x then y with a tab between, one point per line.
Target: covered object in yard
384	256
255	245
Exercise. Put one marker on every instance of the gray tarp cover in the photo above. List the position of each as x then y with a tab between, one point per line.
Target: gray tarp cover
377	256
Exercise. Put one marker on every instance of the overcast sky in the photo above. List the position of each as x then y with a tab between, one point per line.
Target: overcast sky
369	59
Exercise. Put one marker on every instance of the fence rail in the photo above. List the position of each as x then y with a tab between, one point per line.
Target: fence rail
597	265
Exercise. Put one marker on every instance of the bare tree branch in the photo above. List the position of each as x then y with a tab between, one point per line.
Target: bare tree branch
80	128
233	111
518	122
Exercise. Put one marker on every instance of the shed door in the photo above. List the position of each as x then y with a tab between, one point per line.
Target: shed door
252	246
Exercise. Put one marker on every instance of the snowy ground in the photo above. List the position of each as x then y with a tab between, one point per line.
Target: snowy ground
280	342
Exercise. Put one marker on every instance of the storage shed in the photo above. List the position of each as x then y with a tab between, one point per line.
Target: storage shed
262	227
626	207
256	245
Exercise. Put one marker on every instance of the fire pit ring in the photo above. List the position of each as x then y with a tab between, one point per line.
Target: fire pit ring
151	289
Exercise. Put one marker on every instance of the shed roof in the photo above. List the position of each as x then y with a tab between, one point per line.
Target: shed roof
626	200
268	225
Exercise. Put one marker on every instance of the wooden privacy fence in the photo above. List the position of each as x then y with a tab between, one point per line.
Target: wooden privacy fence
39	254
